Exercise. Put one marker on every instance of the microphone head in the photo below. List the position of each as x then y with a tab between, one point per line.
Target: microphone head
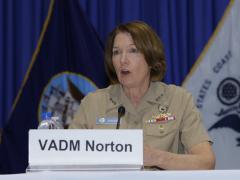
121	111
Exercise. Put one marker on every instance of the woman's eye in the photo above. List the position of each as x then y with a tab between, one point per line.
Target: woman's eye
133	50
116	52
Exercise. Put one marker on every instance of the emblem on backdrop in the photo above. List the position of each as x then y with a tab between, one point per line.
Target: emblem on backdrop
63	94
228	93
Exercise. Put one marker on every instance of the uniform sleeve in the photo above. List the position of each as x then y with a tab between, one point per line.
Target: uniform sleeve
192	130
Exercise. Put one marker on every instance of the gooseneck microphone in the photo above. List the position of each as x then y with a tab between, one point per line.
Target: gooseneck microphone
121	112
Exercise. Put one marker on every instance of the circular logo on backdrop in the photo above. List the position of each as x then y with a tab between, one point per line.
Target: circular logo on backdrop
63	94
228	91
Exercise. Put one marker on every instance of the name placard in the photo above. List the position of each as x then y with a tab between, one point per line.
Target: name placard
85	149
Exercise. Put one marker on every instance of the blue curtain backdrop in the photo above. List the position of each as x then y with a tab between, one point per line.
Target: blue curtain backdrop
63	70
183	25
20	26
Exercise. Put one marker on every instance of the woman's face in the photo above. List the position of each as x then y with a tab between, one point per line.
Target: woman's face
130	65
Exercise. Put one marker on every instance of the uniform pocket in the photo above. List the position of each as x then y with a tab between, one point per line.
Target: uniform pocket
161	129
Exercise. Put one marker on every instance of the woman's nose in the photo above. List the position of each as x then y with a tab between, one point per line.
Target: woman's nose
124	58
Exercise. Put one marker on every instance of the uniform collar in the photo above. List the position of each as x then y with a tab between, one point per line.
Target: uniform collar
155	94
117	97
114	96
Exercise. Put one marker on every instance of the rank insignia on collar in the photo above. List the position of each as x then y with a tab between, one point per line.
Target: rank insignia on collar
161	118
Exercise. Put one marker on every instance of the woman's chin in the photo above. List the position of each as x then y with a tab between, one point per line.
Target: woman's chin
128	84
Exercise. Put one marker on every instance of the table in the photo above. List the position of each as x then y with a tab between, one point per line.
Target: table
125	175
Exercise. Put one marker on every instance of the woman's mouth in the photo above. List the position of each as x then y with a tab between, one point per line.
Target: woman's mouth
125	72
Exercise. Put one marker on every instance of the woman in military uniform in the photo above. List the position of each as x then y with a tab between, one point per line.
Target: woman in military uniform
174	136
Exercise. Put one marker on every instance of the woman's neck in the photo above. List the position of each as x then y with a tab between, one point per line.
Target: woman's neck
135	94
